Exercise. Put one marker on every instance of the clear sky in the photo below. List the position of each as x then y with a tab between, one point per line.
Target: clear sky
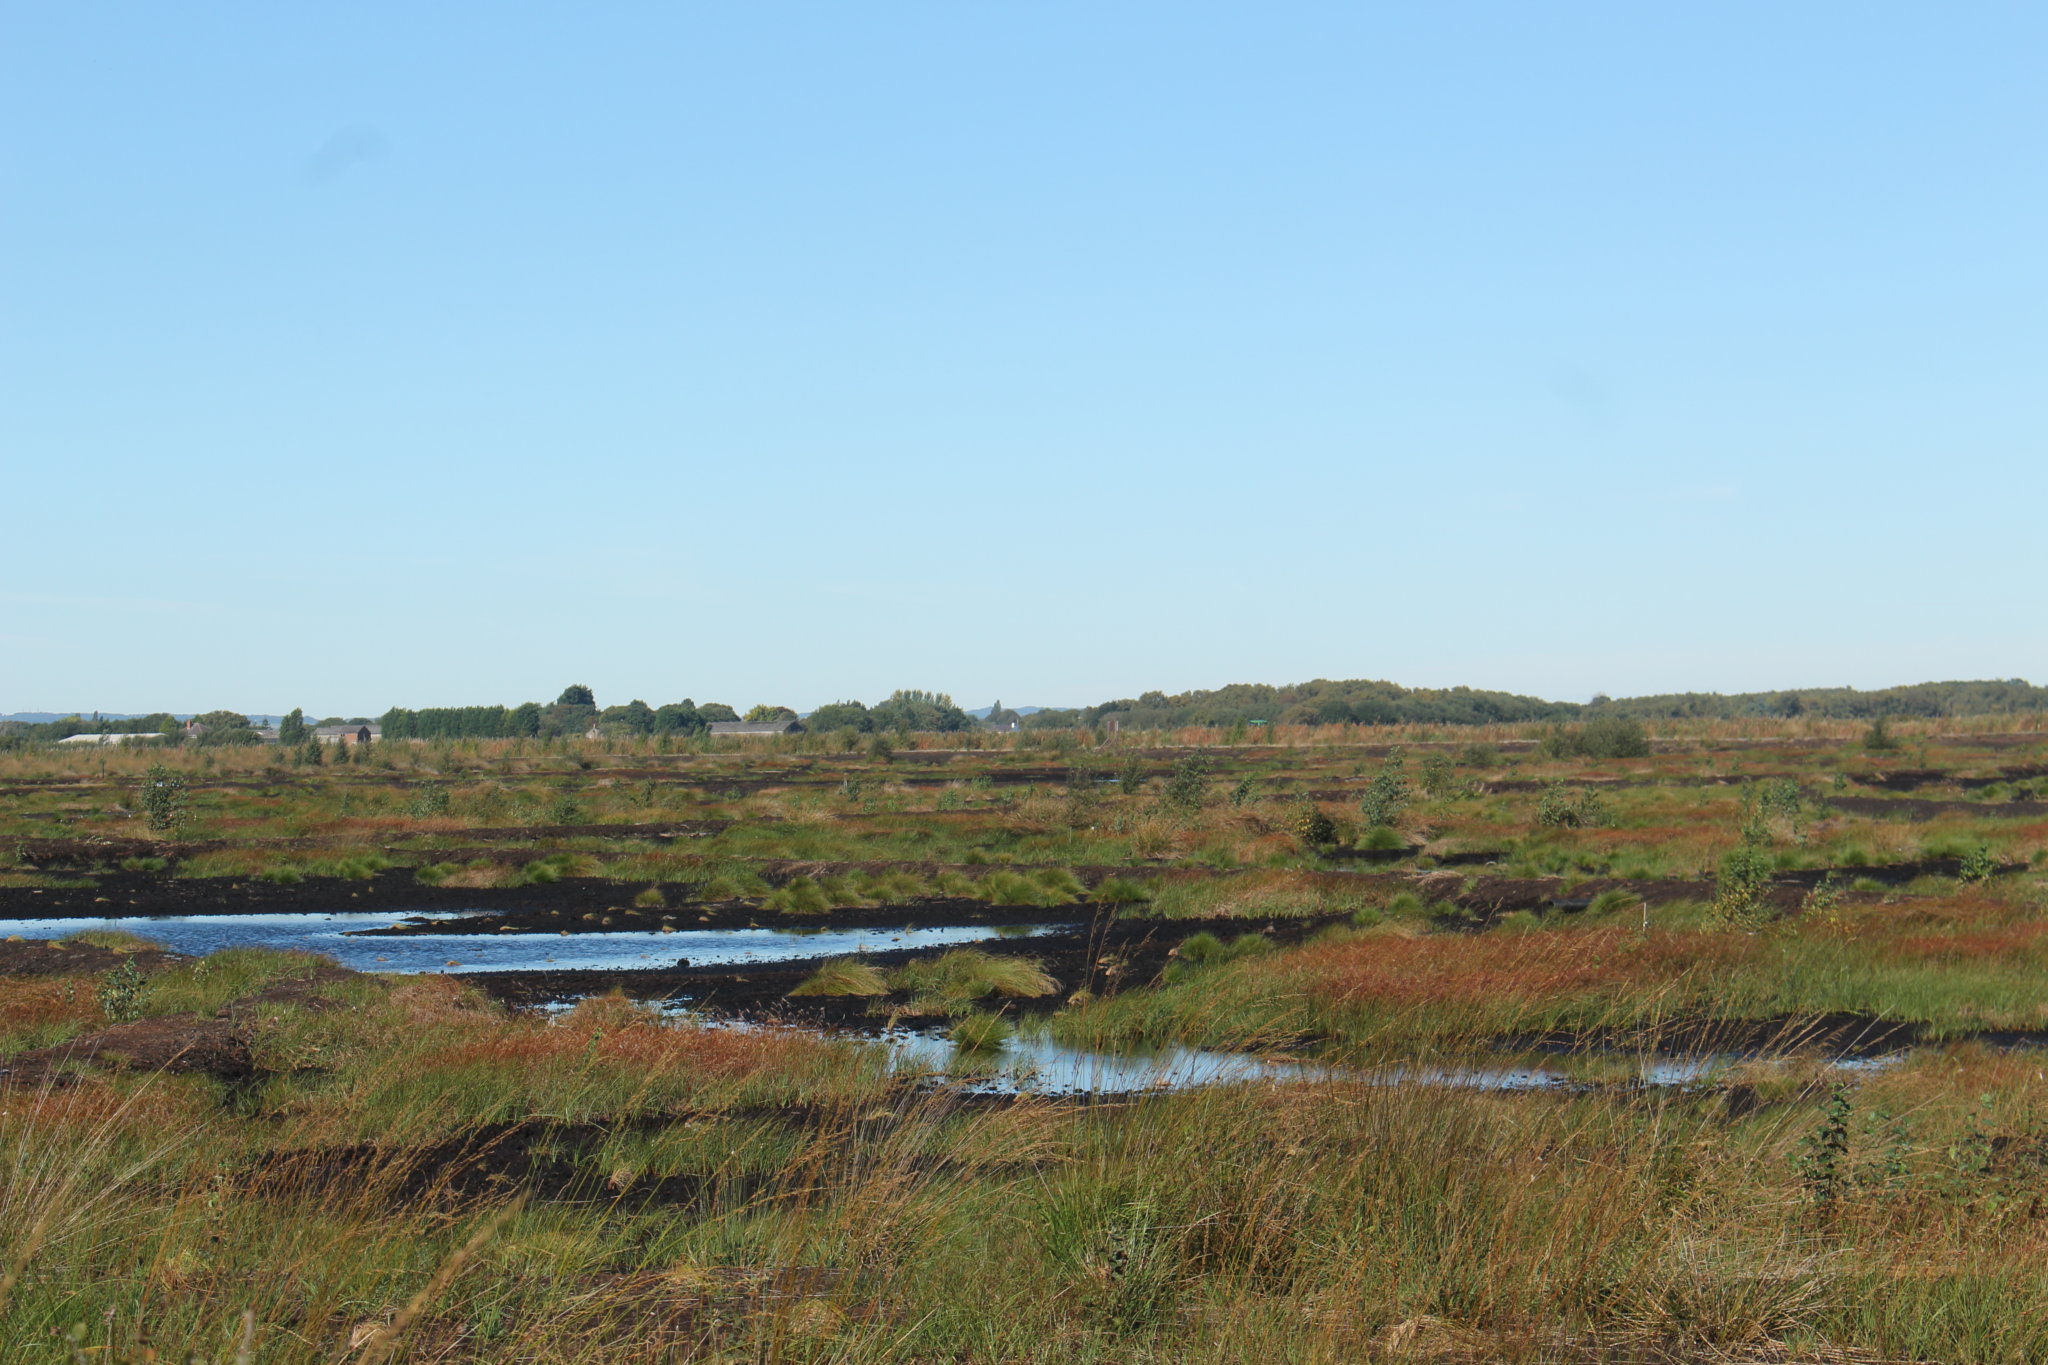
373	354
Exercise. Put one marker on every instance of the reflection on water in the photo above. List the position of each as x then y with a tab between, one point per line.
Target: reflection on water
1041	1066
337	936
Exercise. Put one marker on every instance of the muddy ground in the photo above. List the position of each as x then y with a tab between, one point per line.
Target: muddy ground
1100	954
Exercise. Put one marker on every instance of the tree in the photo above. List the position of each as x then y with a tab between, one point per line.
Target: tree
1386	796
765	712
909	709
292	729
226	727
1187	786
576	694
678	718
1601	737
162	798
523	720
716	710
636	717
841	715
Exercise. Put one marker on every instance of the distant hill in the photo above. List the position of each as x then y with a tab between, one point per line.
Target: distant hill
1367	702
1928	700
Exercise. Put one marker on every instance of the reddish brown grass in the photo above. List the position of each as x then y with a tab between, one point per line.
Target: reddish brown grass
39	1004
1458	969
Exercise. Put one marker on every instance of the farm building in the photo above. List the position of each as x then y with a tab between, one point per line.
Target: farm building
756	727
347	734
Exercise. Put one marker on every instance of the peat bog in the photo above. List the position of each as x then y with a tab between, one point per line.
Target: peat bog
1406	1043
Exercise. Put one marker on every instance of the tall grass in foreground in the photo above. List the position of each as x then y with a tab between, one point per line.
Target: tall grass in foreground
1335	1222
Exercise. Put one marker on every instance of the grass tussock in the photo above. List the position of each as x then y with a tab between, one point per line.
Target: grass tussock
844	976
955	980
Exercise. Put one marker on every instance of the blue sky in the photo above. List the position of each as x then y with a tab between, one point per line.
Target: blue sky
371	355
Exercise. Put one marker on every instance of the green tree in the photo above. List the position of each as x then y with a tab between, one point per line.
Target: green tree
842	715
226	728
908	709
636	717
522	721
1601	737
717	711
292	729
162	798
764	713
576	694
1386	796
678	718
1187	786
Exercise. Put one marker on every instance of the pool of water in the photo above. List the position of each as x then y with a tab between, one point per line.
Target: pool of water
1043	1067
337	936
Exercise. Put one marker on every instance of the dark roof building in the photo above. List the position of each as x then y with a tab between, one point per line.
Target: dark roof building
358	733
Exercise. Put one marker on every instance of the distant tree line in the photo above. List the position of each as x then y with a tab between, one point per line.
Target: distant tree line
573	713
220	728
576	711
48	731
1931	700
1321	702
1366	702
905	711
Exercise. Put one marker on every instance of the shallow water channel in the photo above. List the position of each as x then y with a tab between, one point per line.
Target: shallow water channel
339	936
1028	1061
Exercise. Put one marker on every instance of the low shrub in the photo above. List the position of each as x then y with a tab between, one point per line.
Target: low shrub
120	993
1187	786
1387	794
1978	865
1570	808
1602	737
428	803
1313	828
